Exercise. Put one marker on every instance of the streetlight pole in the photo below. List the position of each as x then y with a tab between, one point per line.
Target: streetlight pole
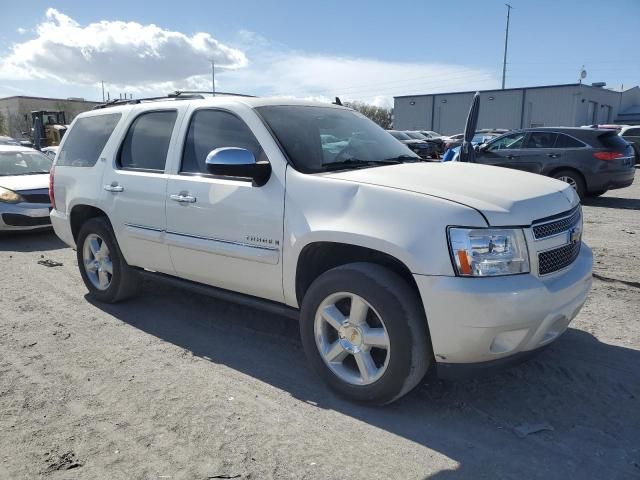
506	41
213	78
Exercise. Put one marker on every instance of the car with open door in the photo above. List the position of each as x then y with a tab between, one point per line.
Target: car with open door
393	266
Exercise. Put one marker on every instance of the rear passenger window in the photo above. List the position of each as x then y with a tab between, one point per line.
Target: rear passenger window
565	141
86	140
147	142
541	140
211	129
632	132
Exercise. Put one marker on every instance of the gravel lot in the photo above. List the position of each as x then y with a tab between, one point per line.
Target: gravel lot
176	385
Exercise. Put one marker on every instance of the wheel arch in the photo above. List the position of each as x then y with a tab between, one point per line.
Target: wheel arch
80	214
317	257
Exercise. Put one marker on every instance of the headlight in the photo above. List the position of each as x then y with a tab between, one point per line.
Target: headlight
9	196
482	252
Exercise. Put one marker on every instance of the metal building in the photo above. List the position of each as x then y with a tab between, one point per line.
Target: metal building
15	112
568	105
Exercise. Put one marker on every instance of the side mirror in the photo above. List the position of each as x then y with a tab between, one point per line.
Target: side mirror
238	162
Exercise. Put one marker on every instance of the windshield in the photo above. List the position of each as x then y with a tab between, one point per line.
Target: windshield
399	135
318	139
23	163
416	136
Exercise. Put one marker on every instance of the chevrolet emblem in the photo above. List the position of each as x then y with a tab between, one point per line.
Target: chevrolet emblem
575	235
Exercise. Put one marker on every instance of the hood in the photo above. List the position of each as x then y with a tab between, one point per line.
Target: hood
504	196
18	183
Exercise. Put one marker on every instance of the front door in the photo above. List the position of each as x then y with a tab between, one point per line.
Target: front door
224	231
502	152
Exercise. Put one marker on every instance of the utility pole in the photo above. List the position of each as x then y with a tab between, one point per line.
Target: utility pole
102	81
213	78
506	41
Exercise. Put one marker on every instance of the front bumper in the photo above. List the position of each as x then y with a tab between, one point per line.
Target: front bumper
24	216
473	320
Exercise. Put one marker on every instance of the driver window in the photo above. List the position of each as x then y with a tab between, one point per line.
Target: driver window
211	129
508	142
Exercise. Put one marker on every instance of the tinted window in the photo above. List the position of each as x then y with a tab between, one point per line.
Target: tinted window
512	141
613	141
86	139
541	140
147	142
632	132
565	141
211	129
299	130
399	135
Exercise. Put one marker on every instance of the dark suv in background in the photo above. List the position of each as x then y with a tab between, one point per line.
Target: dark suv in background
591	160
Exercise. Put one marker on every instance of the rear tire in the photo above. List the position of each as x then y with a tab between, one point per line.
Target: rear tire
373	357
574	179
104	271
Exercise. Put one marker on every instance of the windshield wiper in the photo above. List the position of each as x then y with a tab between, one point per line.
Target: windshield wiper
402	159
356	162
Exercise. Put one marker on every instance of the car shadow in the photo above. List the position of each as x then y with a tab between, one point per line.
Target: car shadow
585	390
30	241
613	202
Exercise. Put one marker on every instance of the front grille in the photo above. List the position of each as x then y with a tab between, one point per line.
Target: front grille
558	258
15	220
553	228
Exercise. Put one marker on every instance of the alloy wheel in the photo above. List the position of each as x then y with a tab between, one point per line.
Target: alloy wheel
97	261
352	338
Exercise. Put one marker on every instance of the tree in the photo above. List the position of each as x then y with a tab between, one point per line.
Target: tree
4	128
382	116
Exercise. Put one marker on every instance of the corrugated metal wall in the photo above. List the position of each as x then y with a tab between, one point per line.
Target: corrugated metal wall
514	108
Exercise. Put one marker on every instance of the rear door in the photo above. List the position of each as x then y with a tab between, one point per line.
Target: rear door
503	151
135	188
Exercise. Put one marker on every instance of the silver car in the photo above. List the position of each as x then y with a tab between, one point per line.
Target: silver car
24	188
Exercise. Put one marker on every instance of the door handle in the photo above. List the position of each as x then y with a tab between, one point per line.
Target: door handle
114	188
553	155
182	197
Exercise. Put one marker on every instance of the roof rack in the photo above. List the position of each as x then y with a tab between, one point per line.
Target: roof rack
177	95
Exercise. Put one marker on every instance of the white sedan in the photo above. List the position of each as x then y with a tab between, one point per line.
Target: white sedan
24	188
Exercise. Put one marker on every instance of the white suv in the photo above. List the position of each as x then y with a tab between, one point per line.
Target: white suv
393	266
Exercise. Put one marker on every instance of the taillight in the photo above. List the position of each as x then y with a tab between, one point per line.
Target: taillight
608	156
52	196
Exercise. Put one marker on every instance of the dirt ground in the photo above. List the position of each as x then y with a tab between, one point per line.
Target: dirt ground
180	386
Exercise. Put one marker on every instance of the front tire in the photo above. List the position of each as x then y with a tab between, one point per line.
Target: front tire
104	271
364	332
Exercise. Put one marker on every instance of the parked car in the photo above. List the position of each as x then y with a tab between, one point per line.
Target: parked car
393	266
478	138
434	137
24	182
451	154
50	151
631	133
422	148
592	161
435	148
8	141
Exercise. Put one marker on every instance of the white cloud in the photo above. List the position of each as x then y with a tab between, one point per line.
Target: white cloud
147	59
120	53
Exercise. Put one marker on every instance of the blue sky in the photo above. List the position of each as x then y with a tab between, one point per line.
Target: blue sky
361	50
